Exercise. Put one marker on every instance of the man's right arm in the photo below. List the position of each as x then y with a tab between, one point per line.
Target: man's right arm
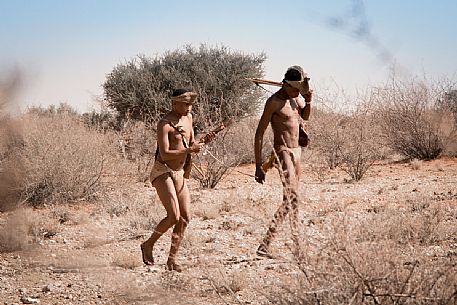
258	140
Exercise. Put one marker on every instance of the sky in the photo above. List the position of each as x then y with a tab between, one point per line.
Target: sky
65	49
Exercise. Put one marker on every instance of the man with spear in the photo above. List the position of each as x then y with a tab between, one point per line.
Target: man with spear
283	111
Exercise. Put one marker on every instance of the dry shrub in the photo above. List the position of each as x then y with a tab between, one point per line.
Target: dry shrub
345	133
361	146
63	159
327	124
350	141
444	122
232	147
137	143
389	256
412	122
327	136
239	140
227	285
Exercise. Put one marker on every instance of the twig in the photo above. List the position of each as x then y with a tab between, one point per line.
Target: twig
364	281
217	292
233	169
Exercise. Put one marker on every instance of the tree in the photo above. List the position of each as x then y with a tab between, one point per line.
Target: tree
140	88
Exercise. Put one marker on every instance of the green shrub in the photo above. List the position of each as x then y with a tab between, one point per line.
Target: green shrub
141	87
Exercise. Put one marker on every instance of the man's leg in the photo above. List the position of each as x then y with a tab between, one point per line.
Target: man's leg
167	195
294	217
289	180
183	195
278	219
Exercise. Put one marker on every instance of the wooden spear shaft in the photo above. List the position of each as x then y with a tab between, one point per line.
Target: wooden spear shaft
259	81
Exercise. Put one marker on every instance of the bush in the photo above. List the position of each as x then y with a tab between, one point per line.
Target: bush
232	147
327	131
62	159
373	259
361	146
346	136
413	125
140	88
136	142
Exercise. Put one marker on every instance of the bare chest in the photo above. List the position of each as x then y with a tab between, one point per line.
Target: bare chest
179	132
287	110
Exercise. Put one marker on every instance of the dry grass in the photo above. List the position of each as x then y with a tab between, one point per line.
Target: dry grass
126	260
137	206
415	164
382	257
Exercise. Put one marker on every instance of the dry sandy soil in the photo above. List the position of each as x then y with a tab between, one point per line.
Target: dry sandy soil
89	253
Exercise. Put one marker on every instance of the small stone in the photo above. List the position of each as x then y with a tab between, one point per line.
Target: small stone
153	269
29	300
48	288
22	290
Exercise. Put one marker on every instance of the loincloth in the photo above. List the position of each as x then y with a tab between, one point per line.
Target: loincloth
160	169
295	152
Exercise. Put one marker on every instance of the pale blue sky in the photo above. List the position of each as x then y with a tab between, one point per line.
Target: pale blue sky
66	48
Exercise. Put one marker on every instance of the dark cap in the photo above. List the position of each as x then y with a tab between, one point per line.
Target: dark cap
295	73
298	79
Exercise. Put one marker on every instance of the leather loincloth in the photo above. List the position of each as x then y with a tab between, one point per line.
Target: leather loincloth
160	169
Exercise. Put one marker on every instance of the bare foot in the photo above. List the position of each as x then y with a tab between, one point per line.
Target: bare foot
146	251
171	265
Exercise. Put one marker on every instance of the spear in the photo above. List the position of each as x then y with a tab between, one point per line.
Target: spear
260	81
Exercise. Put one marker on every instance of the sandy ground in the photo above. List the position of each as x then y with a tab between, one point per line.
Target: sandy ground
88	253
